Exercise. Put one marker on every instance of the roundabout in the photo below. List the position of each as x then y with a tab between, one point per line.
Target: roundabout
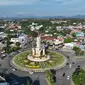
21	62
38	59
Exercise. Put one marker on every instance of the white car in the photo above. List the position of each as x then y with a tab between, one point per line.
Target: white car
70	66
30	72
68	77
13	69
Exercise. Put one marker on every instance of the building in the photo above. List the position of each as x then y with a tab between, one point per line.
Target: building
79	34
14	27
3	35
68	45
22	39
3	81
58	44
49	39
2	45
2	28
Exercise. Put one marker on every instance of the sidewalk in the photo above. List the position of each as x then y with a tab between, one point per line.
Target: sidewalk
68	50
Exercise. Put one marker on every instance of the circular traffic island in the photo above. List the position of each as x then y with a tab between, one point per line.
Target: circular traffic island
22	62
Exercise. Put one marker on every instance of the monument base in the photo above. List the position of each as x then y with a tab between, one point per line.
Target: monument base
38	59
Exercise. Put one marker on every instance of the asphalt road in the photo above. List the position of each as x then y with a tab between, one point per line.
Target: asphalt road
41	76
68	71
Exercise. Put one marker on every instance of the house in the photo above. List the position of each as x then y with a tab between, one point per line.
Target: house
22	39
48	39
58	44
14	27
68	45
80	34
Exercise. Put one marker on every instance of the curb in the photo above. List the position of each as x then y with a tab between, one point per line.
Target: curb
47	81
80	57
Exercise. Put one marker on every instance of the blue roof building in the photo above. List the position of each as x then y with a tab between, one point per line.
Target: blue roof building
80	34
5	83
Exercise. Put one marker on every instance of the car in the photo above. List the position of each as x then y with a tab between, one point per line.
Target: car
78	66
67	56
73	63
70	66
68	77
14	69
3	56
30	72
53	71
2	52
67	63
63	74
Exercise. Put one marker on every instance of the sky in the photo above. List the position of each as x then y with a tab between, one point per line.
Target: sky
13	8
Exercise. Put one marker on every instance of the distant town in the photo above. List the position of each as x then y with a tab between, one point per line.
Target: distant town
42	51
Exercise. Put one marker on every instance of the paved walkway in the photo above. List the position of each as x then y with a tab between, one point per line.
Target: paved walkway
67	50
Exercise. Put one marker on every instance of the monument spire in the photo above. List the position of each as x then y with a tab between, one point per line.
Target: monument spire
38	43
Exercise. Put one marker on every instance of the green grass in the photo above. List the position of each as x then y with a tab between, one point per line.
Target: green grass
56	59
49	76
79	78
19	59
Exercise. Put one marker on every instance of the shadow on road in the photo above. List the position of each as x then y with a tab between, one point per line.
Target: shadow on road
19	80
36	82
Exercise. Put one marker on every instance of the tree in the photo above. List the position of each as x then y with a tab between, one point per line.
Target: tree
75	48
78	51
68	40
74	34
83	30
82	53
8	43
33	34
18	44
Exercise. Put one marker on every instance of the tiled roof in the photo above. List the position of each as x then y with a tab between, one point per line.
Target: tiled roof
48	38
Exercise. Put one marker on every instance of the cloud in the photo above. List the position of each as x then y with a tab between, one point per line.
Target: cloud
17	2
56	1
29	2
62	1
21	2
22	13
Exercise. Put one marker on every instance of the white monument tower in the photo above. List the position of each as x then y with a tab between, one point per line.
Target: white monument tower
38	43
37	51
38	47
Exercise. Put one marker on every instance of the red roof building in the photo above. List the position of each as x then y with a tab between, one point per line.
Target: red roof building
78	43
13	28
48	38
